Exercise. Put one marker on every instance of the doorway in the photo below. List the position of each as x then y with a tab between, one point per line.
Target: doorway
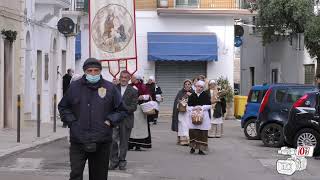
8	89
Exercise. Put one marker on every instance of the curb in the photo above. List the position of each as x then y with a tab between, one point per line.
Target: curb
26	147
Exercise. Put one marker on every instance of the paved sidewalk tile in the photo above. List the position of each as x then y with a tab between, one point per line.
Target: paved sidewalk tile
29	139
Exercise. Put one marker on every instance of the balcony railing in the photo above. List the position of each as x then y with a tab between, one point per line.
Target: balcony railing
204	4
58	3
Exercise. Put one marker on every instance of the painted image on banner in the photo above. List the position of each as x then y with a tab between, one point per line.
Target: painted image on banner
112	28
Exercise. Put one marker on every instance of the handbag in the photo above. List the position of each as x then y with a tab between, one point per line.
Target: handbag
197	117
182	105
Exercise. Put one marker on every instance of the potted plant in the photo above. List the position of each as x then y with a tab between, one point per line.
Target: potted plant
225	86
9	35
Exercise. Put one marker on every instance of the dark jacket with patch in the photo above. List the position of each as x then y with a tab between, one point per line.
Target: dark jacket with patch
85	107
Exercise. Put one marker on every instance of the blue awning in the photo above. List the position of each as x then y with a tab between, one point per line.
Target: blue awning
78	47
166	46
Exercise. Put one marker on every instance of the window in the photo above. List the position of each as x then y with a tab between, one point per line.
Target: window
309	72
280	95
295	94
274	76
252	75
254	97
187	3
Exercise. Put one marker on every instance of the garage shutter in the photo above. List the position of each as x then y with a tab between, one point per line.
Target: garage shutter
170	76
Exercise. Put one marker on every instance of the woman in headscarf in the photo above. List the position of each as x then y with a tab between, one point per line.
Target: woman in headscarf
199	103
218	114
180	119
213	93
140	136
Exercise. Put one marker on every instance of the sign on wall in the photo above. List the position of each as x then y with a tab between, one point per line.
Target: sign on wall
112	29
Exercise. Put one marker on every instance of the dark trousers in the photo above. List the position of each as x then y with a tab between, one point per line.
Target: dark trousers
119	149
98	161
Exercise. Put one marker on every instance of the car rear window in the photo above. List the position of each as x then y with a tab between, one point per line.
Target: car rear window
297	93
256	96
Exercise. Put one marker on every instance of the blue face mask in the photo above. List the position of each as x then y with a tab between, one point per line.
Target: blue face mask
93	79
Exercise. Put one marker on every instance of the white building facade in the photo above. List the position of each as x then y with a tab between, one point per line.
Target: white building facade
171	73
47	56
11	18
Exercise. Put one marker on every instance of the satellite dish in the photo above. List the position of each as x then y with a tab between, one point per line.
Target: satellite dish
238	30
66	25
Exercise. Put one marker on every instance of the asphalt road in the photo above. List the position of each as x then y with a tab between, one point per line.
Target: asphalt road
231	157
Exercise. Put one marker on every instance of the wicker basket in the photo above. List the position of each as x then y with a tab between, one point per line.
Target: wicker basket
182	105
152	112
197	117
149	108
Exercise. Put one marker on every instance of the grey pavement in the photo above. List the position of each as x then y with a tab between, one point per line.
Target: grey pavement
29	139
231	157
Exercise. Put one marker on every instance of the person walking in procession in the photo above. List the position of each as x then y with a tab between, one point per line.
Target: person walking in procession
198	106
121	133
159	99
91	107
219	109
140	135
151	85
180	116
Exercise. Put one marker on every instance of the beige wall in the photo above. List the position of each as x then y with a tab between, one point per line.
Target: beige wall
10	19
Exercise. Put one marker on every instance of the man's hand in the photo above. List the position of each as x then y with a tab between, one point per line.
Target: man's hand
107	122
140	98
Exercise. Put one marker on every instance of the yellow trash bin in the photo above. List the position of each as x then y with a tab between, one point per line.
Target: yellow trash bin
239	105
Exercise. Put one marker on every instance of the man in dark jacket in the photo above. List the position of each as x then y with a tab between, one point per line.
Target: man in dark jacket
121	133
91	107
66	80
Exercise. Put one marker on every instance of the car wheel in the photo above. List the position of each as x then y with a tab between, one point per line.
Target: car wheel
308	137
272	135
250	130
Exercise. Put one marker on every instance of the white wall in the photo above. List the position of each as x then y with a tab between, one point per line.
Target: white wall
149	21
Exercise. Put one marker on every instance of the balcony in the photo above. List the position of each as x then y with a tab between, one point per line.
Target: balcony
56	3
214	7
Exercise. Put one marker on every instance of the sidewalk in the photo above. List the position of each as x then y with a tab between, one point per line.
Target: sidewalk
28	138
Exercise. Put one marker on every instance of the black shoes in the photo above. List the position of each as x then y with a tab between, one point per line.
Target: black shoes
201	153
192	151
113	167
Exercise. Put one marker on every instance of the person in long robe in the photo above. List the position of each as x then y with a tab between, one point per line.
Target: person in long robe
141	134
180	119
199	101
213	93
